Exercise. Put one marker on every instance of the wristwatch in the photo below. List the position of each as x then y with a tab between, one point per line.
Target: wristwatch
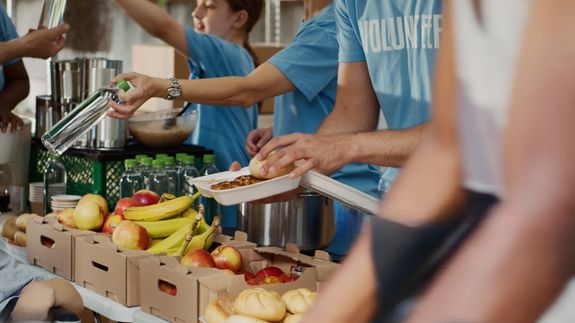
175	90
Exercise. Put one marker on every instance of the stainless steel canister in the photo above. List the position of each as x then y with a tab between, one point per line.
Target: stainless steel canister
52	13
306	221
46	115
66	77
110	133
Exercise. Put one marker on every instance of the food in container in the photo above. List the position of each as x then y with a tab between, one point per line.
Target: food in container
164	128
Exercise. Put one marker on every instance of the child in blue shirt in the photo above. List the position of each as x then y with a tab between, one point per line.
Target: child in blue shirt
216	46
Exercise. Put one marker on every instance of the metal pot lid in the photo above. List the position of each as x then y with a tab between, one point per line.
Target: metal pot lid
340	192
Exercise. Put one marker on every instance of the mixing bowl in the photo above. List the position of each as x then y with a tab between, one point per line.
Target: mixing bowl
164	128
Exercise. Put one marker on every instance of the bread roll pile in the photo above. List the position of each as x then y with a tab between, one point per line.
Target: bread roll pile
14	228
257	305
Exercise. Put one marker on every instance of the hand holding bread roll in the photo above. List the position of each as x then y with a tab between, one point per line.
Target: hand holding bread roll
299	300
256	165
261	304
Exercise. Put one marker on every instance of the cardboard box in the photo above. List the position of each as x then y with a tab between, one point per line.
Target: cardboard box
191	290
51	245
109	271
160	276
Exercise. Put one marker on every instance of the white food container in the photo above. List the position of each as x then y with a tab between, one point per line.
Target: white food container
242	194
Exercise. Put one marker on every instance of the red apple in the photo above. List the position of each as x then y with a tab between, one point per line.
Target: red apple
255	281
227	257
146	197
66	217
123	204
247	275
102	203
111	223
272	280
271	271
167	288
198	258
88	215
129	235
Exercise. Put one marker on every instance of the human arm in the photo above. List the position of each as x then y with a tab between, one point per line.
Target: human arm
41	43
431	177
347	135
264	82
38	297
522	256
256	139
157	22
15	90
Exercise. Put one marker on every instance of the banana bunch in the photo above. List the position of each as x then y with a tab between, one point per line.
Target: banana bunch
171	207
164	228
194	234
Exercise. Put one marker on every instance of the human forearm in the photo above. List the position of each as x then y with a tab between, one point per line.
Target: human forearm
10	50
66	296
350	295
13	93
393	146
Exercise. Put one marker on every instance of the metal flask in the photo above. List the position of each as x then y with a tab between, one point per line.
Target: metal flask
52	13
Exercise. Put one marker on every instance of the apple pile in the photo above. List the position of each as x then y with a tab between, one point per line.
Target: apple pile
228	258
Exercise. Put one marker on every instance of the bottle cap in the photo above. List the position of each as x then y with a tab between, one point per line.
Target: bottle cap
161	156
147	161
209	159
130	163
169	161
180	155
123	84
158	163
140	157
189	160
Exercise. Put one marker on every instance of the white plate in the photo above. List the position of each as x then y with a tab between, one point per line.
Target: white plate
66	198
338	191
242	194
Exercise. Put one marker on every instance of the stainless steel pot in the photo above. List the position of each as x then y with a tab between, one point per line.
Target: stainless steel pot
306	221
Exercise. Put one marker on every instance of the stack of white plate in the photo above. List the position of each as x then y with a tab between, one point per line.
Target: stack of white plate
37	191
60	202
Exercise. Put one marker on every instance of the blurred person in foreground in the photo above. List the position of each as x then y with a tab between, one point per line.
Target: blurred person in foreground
14	84
500	141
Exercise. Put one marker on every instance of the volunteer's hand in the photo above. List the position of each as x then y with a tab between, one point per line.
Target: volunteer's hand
143	90
256	139
324	153
7	118
43	43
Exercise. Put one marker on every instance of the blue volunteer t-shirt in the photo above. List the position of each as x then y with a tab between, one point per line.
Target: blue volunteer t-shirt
310	63
221	128
399	41
7	32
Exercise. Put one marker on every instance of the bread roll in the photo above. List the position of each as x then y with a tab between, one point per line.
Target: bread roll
9	227
20	238
260	304
256	165
299	300
219	310
22	221
243	319
293	318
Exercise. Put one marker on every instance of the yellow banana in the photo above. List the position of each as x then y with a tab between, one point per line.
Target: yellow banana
155	242
159	211
203	227
204	240
189	213
163	228
173	241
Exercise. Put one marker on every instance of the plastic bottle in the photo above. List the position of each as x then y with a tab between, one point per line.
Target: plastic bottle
55	179
82	118
210	204
131	180
158	180
188	173
172	173
145	169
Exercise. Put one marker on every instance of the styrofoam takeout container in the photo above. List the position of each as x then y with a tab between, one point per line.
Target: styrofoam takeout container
242	194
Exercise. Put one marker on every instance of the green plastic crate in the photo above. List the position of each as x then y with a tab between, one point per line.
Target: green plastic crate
95	171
